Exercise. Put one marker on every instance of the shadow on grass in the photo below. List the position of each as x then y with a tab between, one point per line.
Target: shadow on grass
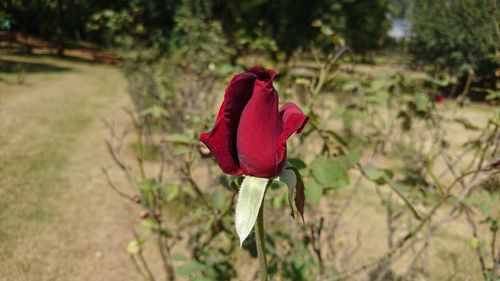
7	66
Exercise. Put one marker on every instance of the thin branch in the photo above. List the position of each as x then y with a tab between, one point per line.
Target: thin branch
316	245
187	174
415	230
140	254
138	268
478	248
113	186
217	225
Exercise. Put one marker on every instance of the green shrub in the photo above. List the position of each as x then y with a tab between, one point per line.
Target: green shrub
456	36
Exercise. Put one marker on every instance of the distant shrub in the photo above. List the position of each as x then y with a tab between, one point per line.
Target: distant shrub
457	36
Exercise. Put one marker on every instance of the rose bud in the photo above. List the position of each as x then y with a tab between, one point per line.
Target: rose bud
250	133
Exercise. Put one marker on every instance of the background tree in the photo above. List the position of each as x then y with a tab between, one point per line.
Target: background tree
457	37
286	23
366	24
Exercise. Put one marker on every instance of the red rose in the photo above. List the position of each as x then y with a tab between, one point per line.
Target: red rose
249	135
439	99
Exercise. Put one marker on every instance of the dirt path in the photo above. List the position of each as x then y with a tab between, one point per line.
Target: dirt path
58	218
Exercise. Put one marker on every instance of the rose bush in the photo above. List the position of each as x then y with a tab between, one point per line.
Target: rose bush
250	133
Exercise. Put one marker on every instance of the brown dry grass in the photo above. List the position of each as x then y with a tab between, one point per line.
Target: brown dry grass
58	218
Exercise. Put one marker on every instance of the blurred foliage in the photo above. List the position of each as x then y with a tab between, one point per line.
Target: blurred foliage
92	20
198	53
379	118
363	24
280	23
4	20
456	36
276	27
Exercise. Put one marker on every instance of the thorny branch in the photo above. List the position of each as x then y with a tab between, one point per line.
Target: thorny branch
415	230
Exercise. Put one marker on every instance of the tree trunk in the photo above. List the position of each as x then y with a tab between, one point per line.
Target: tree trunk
59	29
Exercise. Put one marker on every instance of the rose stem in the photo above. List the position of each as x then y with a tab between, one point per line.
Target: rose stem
261	245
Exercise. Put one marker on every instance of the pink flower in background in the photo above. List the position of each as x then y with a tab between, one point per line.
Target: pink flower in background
439	99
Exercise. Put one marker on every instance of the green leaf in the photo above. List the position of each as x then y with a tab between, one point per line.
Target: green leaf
421	101
218	199
288	177
179	257
147	185
297	163
179	138
492	94
326	30
299	193
351	86
474	242
437	82
330	173
278	201
376	175
249	201
166	232
471	200
172	192
201	278
303	81
190	267
148	224
155	111
485	208
135	246
313	191
181	149
354	156
377	85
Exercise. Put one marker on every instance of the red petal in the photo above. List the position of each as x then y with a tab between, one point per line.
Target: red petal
293	120
259	129
221	140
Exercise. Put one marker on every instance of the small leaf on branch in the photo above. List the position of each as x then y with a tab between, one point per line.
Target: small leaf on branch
172	192
421	102
190	267
354	156
289	177
148	224
376	175
382	177
299	193
313	191
331	173
135	246
297	163
218	199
